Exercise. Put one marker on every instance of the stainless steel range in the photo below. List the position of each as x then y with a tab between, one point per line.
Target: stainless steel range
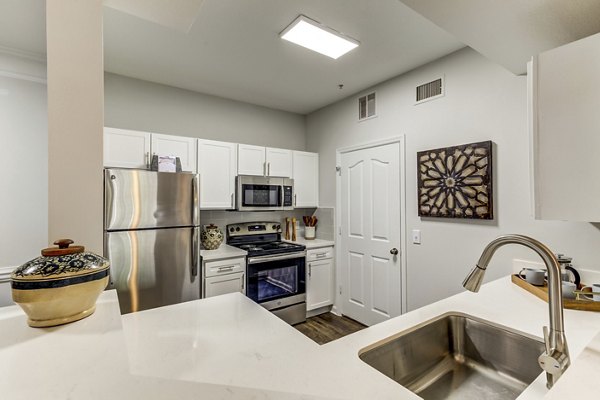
275	272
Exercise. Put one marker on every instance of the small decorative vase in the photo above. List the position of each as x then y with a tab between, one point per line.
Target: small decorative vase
211	237
309	232
61	286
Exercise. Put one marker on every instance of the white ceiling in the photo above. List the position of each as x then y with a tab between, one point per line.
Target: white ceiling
233	49
510	32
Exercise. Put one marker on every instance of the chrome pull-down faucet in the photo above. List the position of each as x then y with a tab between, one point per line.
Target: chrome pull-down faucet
555	360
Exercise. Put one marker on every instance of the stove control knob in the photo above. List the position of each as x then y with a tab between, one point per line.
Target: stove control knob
237	229
231	229
274	227
278	227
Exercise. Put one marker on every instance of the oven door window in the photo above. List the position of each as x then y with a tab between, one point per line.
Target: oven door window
275	280
261	195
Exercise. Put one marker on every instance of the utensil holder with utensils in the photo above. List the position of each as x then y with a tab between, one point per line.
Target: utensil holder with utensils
310	227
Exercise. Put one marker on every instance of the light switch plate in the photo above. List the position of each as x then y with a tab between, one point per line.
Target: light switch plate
416	236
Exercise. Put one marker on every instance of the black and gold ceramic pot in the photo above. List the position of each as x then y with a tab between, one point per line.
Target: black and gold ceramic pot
61	286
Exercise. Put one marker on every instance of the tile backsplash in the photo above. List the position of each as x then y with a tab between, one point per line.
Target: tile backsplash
325	226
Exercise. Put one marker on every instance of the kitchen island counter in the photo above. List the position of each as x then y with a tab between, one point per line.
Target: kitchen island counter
228	347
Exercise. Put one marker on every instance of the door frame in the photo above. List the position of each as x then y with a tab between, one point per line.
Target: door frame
400	140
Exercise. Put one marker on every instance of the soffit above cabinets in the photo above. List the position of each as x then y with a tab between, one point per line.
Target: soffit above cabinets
510	32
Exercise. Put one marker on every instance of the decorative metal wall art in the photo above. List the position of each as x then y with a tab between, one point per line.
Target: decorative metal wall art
456	182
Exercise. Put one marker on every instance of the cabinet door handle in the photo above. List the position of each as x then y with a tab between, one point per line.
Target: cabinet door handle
269	169
309	270
148	160
243	282
265	168
232	205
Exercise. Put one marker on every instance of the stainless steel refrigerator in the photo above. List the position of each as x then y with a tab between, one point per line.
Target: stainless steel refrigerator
151	237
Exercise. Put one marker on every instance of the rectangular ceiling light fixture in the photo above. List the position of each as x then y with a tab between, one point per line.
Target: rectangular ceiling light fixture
317	37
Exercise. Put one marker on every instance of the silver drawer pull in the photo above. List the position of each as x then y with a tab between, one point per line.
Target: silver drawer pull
321	255
229	268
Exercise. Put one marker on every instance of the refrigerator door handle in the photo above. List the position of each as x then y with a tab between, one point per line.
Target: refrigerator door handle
195	199
195	251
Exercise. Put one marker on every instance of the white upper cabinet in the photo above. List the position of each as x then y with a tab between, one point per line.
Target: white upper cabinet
264	161
564	89
217	166
178	146
306	179
279	162
251	160
126	149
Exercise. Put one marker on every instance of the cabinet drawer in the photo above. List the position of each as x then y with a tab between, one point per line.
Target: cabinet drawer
222	267
319	254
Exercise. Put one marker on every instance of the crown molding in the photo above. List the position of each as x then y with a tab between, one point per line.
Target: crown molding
5	273
23	65
29	55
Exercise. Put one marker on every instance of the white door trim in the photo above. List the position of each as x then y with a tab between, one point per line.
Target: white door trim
338	307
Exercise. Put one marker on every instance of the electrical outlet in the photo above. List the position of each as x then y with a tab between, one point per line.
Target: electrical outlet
518	265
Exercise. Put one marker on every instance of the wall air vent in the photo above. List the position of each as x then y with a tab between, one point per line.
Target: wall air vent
430	90
366	106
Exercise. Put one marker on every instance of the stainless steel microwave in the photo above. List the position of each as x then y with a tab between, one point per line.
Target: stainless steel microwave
263	193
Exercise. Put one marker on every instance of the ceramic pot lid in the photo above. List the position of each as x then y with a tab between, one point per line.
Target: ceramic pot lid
61	262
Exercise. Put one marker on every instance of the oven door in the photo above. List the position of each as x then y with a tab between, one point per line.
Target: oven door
259	194
277	281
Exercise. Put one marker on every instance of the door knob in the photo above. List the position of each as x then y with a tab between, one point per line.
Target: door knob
394	251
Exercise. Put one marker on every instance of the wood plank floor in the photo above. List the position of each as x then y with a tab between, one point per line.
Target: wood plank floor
327	327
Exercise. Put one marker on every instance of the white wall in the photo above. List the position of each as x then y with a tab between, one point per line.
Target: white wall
23	170
483	102
141	105
23	164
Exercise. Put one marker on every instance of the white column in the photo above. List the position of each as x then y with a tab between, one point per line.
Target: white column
75	121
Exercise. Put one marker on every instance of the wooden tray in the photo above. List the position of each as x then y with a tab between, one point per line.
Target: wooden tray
542	293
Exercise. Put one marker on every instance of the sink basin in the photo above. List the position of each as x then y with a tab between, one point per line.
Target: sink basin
457	356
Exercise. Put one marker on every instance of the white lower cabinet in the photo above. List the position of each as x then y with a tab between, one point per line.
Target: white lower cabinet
229	283
319	278
224	276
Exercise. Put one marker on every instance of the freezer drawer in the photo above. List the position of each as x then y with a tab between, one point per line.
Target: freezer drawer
138	199
153	268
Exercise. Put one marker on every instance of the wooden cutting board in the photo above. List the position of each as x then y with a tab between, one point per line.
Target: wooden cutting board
542	293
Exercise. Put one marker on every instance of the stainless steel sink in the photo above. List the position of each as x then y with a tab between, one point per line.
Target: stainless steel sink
457	356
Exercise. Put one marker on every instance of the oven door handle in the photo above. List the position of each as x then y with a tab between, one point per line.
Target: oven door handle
265	259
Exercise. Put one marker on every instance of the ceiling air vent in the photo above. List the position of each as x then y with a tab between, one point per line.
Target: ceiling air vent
366	106
431	90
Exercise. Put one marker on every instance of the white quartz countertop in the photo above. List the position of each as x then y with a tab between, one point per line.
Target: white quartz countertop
224	251
313	244
228	347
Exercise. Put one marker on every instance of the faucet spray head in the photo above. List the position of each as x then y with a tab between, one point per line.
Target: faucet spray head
473	281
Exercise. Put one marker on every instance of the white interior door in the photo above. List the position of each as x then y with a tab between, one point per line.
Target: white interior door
370	233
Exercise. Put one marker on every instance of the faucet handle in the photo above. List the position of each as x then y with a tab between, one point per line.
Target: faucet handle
547	340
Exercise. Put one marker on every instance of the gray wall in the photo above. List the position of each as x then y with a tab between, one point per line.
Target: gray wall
483	102
141	105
